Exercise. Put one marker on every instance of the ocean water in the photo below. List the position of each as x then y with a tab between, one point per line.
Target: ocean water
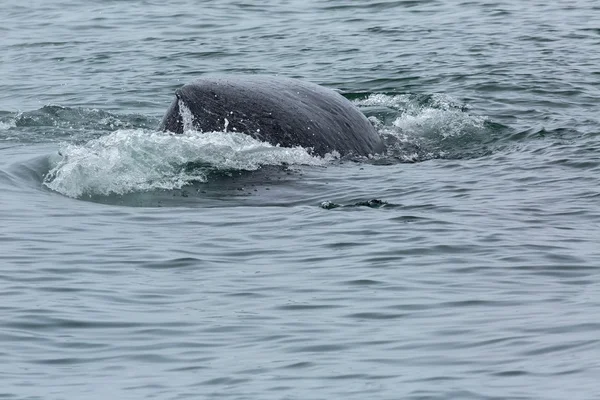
464	263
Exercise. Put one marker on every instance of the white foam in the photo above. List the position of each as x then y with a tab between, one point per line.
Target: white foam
4	126
432	122
441	118
383	100
138	160
187	116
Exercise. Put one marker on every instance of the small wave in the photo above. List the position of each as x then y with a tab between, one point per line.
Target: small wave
7	121
53	123
422	127
77	118
6	125
127	161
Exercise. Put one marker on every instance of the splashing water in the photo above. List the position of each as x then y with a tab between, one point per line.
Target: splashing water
438	115
137	160
6	125
186	116
132	160
418	127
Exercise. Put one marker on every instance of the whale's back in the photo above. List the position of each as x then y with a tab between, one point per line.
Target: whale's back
282	111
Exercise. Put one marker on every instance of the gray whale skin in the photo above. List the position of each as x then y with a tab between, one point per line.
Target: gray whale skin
281	111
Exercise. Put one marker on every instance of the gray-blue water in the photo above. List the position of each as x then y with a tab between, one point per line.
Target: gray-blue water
462	264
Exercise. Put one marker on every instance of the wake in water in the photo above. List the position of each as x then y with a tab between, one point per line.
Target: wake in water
137	160
423	127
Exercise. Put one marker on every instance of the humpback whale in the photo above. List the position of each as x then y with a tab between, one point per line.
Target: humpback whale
281	111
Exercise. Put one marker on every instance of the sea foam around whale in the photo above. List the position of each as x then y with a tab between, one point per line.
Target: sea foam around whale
137	160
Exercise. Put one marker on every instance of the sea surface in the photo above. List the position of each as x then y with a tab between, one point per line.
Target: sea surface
464	263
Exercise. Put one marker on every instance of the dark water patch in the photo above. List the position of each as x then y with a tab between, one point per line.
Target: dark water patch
375	316
362	282
304	307
560	271
68	361
247	295
152	358
31	277
321	348
46	44
578	164
379	5
346	245
184	262
191	368
543	133
299	365
52	323
579	327
348	377
226	329
373	203
173	330
560	348
224	381
61	289
479	303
